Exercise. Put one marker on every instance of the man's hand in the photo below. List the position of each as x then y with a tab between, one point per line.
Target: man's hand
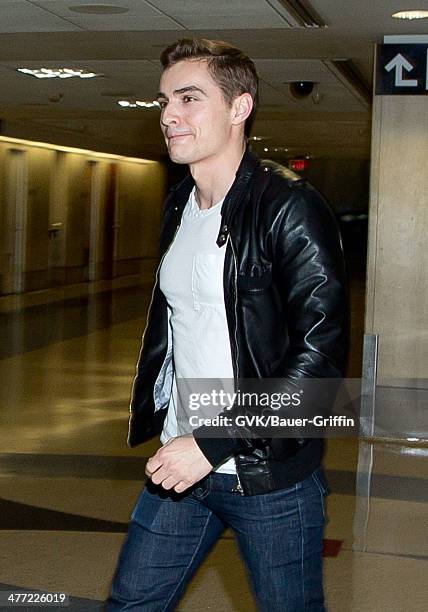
178	464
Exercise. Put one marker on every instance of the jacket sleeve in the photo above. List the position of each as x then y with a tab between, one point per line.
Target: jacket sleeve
309	273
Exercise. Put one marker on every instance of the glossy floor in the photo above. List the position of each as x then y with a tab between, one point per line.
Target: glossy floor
68	480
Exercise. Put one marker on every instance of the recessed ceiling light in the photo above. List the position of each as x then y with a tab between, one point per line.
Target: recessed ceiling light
98	9
411	15
58	73
138	103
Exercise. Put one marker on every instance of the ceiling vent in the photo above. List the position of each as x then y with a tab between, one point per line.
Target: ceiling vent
298	13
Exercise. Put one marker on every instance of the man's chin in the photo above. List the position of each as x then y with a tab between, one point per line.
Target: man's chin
179	159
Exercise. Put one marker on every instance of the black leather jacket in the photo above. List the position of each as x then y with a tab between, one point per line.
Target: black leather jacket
286	308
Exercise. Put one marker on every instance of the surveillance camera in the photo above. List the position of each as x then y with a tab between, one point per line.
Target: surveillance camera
301	89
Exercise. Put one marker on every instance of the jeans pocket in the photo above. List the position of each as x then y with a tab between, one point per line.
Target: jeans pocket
319	478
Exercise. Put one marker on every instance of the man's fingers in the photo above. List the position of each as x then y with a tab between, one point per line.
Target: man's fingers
169	482
181	486
152	465
160	475
178	464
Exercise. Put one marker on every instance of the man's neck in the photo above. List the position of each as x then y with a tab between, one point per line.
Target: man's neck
214	177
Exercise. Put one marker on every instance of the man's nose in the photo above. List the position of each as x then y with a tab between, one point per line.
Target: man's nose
169	115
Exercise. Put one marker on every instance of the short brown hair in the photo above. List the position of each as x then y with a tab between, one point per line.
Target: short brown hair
232	70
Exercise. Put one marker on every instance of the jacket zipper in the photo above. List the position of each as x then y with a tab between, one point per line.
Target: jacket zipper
141	347
239	488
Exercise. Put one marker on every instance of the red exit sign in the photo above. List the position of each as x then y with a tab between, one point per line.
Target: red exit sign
298	164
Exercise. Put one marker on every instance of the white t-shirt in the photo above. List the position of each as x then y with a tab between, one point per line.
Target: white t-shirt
191	278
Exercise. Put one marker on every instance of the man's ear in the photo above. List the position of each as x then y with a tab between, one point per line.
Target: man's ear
241	108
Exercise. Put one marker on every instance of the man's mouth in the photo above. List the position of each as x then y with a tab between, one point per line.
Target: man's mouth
172	137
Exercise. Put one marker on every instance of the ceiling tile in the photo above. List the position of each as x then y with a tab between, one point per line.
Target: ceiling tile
141	16
239	14
276	71
368	16
22	16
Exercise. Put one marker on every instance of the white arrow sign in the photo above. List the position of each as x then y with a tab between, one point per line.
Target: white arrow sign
399	63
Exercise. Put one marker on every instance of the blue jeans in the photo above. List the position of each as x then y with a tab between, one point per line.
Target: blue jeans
279	535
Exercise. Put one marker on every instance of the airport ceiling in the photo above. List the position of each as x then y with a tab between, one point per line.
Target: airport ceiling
122	40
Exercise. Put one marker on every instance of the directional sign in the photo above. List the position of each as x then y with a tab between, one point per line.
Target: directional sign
402	69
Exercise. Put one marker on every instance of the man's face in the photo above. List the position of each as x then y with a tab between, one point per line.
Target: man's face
195	119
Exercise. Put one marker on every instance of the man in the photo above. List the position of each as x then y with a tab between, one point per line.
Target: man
250	285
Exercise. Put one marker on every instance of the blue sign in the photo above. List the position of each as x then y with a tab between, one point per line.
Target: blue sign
402	69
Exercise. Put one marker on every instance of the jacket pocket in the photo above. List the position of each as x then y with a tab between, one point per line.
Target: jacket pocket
255	284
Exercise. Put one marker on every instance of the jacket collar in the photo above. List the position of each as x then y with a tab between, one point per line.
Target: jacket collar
249	162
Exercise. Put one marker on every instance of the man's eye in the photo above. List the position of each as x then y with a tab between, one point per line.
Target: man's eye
162	103
188	98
